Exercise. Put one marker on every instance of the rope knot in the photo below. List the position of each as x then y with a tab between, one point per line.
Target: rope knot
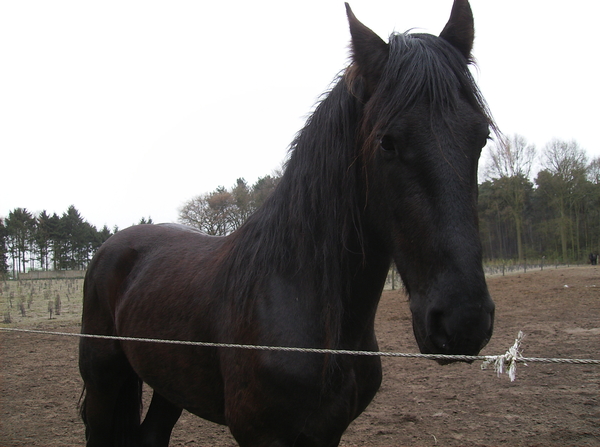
508	360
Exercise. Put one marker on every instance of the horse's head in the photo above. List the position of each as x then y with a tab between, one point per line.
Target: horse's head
423	130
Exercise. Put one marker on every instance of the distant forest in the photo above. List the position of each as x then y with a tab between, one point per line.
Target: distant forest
48	242
553	215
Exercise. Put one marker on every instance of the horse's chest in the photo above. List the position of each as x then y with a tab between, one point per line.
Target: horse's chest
304	393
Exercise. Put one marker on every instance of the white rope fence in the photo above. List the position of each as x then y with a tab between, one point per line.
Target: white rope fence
506	362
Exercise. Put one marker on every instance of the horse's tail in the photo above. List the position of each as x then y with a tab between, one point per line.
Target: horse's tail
126	416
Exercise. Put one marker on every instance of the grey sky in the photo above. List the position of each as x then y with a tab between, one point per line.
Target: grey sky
129	108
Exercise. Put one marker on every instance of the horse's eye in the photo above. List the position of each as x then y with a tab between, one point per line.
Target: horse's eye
488	138
387	144
485	136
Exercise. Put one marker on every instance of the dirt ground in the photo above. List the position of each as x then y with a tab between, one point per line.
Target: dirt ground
420	403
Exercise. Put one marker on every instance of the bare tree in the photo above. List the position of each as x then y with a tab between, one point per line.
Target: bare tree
566	159
594	171
203	212
511	157
509	168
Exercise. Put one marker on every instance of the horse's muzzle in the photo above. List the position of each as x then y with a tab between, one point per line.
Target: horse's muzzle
460	330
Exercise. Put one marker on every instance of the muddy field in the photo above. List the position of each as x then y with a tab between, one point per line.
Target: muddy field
420	402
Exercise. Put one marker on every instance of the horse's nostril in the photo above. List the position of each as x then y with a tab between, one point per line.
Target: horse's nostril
437	330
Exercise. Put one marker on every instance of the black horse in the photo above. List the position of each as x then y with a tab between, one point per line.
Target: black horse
384	170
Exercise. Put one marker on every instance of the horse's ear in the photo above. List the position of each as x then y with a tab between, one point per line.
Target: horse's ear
369	51
460	30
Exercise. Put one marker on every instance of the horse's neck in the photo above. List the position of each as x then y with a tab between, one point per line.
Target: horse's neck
310	231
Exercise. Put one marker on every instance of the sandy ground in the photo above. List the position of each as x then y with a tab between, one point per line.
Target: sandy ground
420	403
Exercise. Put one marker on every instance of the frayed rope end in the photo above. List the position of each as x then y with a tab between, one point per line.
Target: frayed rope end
508	360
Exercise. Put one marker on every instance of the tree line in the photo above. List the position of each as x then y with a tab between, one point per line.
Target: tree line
42	241
552	212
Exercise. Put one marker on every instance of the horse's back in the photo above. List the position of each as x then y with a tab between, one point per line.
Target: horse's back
141	261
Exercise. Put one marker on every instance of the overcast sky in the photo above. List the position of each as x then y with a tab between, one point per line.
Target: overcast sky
130	108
